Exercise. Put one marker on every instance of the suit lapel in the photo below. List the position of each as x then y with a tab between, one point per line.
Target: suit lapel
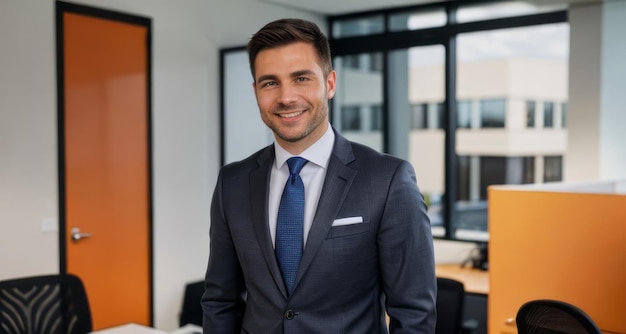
338	180
259	185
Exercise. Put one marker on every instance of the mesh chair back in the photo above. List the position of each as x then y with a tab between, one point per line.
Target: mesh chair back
553	317
51	304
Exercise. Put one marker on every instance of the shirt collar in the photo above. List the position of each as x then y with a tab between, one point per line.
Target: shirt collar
318	153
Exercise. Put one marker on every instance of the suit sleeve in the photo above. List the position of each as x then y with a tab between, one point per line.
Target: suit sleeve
222	301
407	257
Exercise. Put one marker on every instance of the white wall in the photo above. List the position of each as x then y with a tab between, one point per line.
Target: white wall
28	165
187	36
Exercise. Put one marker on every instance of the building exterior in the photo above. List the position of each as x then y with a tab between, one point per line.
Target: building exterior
511	125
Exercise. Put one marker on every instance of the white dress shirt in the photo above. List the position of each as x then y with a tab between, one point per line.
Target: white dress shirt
312	174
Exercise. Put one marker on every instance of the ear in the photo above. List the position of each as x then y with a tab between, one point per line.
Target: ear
331	82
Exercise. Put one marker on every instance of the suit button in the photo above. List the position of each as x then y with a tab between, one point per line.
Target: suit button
289	314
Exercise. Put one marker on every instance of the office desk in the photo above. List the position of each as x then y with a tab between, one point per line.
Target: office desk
129	329
475	280
141	329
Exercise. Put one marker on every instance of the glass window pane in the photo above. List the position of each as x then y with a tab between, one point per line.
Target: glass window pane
417	20
529	170
464	114
492	171
504	77
419	117
376	118
492	113
440	116
500	9
553	168
416	95
357	105
530	114
350	118
548	115
361	26
244	131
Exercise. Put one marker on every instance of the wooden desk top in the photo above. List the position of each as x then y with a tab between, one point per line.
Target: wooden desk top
474	280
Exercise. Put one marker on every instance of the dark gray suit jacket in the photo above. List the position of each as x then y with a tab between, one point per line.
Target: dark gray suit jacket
349	275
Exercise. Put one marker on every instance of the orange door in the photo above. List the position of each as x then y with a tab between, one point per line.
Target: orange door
105	163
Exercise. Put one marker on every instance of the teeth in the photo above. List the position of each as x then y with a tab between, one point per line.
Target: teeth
293	114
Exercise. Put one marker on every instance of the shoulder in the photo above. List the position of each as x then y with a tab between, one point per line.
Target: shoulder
353	153
368	157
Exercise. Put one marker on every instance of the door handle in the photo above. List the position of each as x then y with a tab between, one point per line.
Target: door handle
76	235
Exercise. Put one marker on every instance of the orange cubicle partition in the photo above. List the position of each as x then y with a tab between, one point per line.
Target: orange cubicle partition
565	244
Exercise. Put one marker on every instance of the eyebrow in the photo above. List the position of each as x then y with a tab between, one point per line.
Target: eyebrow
301	73
266	77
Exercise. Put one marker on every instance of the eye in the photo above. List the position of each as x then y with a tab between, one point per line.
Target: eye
268	83
302	79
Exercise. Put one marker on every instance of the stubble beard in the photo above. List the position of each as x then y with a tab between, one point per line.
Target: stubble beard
319	117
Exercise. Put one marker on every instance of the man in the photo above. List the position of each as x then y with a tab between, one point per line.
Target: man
357	245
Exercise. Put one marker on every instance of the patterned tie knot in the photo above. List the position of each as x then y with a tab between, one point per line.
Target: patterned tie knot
295	166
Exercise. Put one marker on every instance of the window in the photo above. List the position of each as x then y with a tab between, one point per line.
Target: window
528	171
492	113
553	169
464	114
242	135
439	116
418	19
361	26
500	9
350	118
415	118
564	115
464	178
376	62
427	116
351	62
376	118
530	114
454	97
548	115
419	116
357	104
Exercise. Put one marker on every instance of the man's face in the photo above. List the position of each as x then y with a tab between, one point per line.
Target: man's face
292	93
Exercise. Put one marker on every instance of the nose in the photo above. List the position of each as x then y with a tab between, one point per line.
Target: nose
287	95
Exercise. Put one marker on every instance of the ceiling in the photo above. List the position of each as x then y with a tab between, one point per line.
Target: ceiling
338	7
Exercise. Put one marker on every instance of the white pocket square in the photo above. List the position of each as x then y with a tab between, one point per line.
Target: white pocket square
347	221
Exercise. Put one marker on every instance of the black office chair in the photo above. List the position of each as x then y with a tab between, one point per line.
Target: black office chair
52	304
450	304
553	317
192	310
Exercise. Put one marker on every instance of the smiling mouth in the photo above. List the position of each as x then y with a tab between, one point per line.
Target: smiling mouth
291	115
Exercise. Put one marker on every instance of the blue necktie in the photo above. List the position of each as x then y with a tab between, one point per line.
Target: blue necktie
289	223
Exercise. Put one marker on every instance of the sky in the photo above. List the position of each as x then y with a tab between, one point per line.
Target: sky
550	41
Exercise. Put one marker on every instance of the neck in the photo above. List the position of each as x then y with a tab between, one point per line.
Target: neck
299	146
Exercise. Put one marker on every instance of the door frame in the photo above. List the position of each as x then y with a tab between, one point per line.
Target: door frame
65	7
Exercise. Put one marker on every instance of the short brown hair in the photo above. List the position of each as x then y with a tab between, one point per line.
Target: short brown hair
286	31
